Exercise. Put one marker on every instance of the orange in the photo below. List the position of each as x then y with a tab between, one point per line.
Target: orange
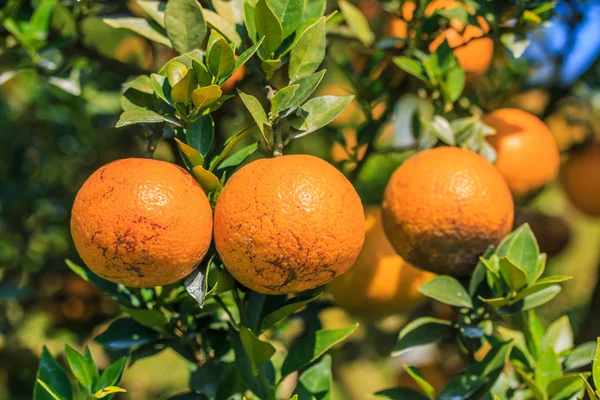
527	154
443	207
288	224
231	82
135	50
581	179
141	222
380	282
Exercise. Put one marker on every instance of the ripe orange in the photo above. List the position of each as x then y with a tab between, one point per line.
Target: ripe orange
233	80
288	224
380	282
473	50
527	154
141	222
581	179
443	207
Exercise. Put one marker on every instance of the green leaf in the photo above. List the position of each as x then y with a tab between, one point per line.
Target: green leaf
522	249
596	367
257	350
182	91
207	179
313	346
314	10
318	112
290	307
54	377
140	26
282	100
245	56
306	86
221	59
316	382
149	318
202	75
422	331
357	23
155	9
200	134
540	298
534	333
447	290
400	394
206	378
564	387
102	393
270	66
161	87
267	26
176	71
229	144
140	83
185	24
111	375
536	390
425	386
289	12
454	84
205	96
541	285
559	336
547	368
581	356
82	370
512	274
479	273
139	116
125	333
250	22
263	390
239	156
41	18
308	52
220	24
193	155
256	111
224	284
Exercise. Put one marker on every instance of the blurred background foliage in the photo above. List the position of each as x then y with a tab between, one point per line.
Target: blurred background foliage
58	110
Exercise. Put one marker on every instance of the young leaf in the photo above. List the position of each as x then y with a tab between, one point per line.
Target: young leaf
257	350
139	116
422	331
82	370
221	59
289	12
256	111
306	86
111	375
512	274
202	75
140	26
290	307
186	27
282	100
357	23
318	112
51	374
522	249
140	83
267	26
564	387
229	144
192	155
200	134
316	382
313	346
207	179
308	52
534	333
540	298
541	285
447	290
161	87
182	91
205	96
176	71
581	356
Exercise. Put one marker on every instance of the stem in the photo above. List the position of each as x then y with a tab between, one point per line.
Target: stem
154	134
219	300
278	147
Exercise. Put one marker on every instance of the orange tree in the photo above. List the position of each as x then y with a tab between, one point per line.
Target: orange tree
285	227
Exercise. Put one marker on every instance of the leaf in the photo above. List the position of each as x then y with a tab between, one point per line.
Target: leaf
580	356
202	75
318	112
479	273
541	285
400	394
200	134
229	144
512	274
221	59
282	99
41	18
522	249
245	56
313	346
176	71
536	390
155	9
306	86
564	387
454	84
422	331
547	368
559	336
185	24
257	350
308	52
314	9
267	26
100	394
182	91
540	298
207	179
125	333
140	26
193	155
196	284
256	111
239	156
447	290
206	378
82	370
596	367
357	23
534	333
220	24
205	96
316	382
140	83
161	87
150	318
425	386
290	307
244	369
289	12
139	116
111	375
51	374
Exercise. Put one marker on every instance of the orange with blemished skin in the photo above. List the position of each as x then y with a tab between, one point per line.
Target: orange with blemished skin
380	283
288	224
581	179
443	207
141	222
527	153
